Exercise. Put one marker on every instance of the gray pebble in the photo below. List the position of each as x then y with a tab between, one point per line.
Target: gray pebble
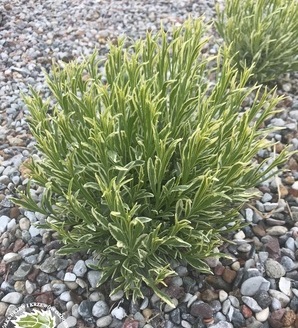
22	271
93	277
3	223
283	299
274	269
104	321
80	268
252	285
288	263
49	265
13	298
251	303
85	309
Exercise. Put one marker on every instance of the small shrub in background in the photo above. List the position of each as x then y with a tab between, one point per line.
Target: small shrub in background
152	164
262	34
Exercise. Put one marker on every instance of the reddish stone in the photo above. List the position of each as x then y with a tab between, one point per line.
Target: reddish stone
293	192
130	323
18	245
202	310
46	298
229	275
246	311
33	274
296	322
219	269
278	314
273	248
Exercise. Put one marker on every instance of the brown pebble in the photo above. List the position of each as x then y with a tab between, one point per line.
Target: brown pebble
7	6
259	230
289	180
293	165
18	245
218	283
209	295
288	318
46	298
229	275
283	190
279	147
14	212
147	313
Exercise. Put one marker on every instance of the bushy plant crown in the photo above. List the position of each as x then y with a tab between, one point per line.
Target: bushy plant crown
150	162
261	33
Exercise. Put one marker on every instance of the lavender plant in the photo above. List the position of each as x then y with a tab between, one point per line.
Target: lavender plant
262	34
150	162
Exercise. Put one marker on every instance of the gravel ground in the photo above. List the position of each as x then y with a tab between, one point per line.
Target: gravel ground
257	287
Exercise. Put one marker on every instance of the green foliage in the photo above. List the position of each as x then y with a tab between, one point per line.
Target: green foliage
262	34
35	319
151	162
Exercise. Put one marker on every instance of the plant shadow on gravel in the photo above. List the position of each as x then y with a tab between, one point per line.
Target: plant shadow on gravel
152	161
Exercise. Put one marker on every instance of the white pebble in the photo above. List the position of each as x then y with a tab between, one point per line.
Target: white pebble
262	315
118	313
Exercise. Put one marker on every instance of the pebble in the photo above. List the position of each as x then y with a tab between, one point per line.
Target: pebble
70	322
22	271
117	296
80	268
93	278
201	309
11	257
30	287
252	285
65	296
274	269
284	286
85	309
24	223
70	277
104	321
251	303
4	220
100	309
49	265
263	315
3	308
12	298
281	297
118	313
277	231
222	295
